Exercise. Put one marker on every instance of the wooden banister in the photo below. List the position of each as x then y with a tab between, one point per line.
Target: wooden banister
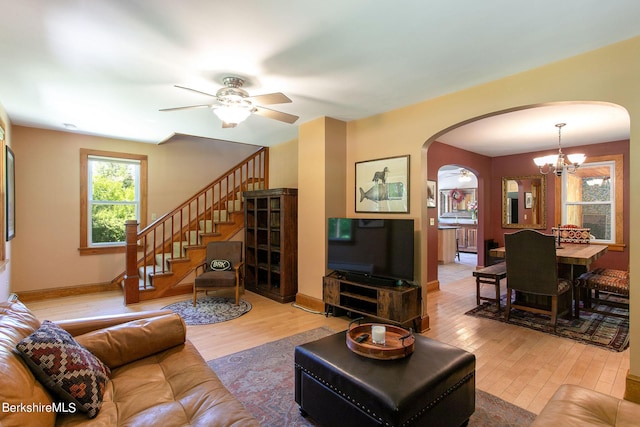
131	279
167	237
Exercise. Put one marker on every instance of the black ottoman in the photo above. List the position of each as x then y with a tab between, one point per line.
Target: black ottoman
434	386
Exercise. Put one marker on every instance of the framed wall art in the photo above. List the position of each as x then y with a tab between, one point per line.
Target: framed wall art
528	200
10	203
431	194
382	185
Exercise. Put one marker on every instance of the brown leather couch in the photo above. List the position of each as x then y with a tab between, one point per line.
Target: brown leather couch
157	376
577	406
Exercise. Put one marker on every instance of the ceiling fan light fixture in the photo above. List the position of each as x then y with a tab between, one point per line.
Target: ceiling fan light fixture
465	176
232	104
232	114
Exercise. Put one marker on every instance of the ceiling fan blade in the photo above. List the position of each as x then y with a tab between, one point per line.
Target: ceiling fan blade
270	98
226	125
188	107
194	90
277	115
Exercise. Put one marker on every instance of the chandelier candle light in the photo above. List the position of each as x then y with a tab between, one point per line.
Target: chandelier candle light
555	163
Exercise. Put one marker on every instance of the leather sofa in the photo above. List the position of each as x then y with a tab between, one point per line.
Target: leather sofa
157	376
577	406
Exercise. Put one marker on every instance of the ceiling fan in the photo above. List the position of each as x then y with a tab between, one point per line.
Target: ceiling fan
232	104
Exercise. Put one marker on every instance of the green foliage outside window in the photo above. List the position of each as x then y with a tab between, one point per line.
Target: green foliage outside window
113	199
340	229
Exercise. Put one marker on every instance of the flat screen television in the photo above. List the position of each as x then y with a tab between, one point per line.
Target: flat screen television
371	248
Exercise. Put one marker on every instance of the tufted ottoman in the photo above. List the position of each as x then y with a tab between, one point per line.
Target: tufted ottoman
433	386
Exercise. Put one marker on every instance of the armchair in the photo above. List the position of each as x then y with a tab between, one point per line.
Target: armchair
222	269
532	268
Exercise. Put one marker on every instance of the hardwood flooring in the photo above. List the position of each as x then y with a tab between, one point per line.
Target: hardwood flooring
521	366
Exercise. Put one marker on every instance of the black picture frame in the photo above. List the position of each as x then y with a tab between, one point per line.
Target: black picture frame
10	201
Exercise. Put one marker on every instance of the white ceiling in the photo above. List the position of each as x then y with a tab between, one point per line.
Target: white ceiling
107	66
534	129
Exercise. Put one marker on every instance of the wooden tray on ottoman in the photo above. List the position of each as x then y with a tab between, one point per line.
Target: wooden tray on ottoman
399	342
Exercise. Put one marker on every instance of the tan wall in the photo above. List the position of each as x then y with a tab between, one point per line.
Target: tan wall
323	152
283	165
45	249
5	270
609	75
311	207
335	170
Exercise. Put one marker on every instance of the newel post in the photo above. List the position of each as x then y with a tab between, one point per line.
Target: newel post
131	278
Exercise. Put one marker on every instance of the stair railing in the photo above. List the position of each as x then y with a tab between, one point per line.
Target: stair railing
167	236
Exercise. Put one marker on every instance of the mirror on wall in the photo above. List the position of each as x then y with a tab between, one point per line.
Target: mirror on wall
524	201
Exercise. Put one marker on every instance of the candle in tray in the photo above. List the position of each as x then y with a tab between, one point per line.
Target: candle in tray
378	334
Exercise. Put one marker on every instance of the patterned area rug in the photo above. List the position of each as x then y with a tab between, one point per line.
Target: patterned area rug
609	332
209	310
262	378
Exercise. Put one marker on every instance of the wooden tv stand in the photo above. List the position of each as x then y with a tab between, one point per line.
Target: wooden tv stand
394	304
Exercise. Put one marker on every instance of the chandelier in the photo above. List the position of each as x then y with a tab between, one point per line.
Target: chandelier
556	163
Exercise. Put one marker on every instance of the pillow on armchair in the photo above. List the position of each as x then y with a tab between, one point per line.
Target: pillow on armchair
66	368
220	265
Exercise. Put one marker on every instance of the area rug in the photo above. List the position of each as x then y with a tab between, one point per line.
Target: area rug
608	332
262	378
209	310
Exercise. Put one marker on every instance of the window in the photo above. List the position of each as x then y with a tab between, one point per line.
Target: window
592	198
113	187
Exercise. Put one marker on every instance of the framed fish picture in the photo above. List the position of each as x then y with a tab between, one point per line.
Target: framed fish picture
382	185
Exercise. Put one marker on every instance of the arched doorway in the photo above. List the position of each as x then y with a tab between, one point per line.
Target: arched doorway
457	202
515	137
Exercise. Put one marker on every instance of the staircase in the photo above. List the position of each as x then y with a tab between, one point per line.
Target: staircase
162	255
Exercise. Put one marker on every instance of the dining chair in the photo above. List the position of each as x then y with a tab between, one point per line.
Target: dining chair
222	269
532	268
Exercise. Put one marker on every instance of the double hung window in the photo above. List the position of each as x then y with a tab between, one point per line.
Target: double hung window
591	199
113	192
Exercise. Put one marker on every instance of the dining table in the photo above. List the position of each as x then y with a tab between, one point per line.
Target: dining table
573	260
569	253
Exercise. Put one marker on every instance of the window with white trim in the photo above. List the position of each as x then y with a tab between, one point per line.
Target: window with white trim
589	199
113	190
114	197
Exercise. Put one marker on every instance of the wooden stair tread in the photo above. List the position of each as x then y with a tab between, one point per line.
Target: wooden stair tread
195	247
214	234
177	260
160	274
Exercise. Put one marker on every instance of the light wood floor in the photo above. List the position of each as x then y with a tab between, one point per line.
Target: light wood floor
521	366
